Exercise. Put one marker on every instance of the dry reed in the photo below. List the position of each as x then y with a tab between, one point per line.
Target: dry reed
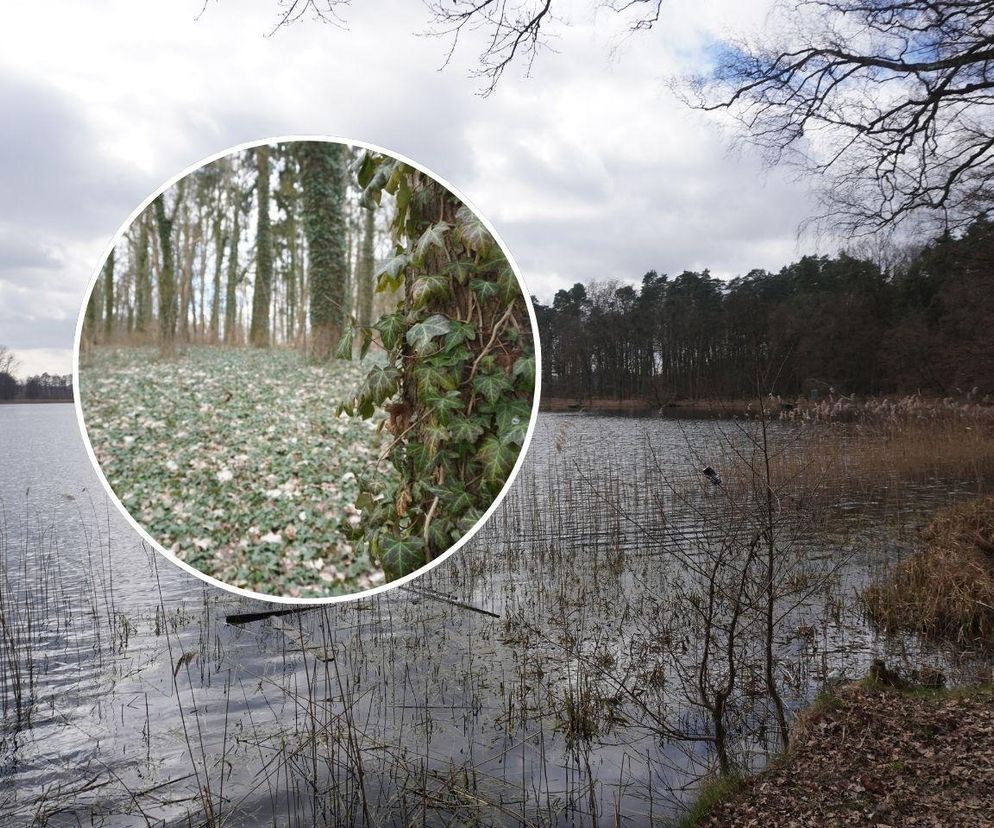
946	589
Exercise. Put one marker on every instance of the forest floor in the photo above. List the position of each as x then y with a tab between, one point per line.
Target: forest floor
876	757
237	461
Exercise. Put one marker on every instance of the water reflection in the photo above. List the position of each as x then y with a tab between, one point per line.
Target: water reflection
128	699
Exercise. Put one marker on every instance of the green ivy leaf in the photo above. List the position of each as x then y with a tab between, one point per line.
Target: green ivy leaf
422	459
367	340
466	429
365	169
469	520
512	421
435	434
429	287
460	332
484	289
460	270
472	231
433	378
524	369
390	274
497	459
457	500
491	385
421	335
434	236
401	555
507	282
443	405
381	383
391	328
345	342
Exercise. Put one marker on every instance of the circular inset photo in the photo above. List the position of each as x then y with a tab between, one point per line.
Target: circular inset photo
307	370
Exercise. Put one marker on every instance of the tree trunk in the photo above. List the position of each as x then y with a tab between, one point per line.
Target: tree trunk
231	288
109	296
324	225
261	295
167	276
364	272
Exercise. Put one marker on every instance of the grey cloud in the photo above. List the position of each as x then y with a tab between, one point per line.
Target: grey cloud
21	254
53	177
726	219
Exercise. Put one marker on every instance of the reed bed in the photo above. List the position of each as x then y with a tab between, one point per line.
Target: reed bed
946	589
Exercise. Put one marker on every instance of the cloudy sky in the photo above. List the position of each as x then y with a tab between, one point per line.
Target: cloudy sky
589	169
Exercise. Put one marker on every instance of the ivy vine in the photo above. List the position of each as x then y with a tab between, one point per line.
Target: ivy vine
459	377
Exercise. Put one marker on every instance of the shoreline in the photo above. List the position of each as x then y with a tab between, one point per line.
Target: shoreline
36	402
862	755
684	409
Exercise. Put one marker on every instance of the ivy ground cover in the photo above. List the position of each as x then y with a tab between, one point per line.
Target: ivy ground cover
238	461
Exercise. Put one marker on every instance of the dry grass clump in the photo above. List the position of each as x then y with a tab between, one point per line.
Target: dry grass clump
946	589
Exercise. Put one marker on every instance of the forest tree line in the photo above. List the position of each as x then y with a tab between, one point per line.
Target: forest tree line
41	387
920	323
267	246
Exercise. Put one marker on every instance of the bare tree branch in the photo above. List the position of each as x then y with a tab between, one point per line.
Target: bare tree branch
891	100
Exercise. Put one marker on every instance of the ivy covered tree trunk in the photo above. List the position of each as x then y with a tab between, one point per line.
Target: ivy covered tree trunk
364	271
286	231
91	320
460	375
109	297
231	285
219	243
143	279
261	295
322	174
167	275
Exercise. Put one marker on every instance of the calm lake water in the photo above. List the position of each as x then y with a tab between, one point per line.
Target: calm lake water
128	699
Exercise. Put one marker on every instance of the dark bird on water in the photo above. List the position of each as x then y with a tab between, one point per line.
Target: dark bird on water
711	475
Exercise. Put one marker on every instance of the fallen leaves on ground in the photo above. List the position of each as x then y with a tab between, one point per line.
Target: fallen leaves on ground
879	758
237	461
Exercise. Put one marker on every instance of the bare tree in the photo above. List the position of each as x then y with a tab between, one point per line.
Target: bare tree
8	362
892	100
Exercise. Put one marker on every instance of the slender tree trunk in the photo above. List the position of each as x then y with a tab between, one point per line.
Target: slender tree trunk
261	296
219	242
364	271
143	279
769	587
109	297
231	287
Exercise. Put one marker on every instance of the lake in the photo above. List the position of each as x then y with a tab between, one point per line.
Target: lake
128	699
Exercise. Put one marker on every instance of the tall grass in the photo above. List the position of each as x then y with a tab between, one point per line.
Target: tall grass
946	589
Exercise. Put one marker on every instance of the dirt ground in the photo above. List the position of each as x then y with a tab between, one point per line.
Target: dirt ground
878	757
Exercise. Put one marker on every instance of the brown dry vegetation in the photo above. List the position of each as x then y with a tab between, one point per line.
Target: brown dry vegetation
874	756
849	450
946	589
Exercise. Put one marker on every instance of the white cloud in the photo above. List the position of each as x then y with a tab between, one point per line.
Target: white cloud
589	169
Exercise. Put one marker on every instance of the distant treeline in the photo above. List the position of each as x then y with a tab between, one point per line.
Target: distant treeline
846	323
39	388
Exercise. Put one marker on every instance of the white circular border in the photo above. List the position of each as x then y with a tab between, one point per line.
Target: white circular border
247	593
